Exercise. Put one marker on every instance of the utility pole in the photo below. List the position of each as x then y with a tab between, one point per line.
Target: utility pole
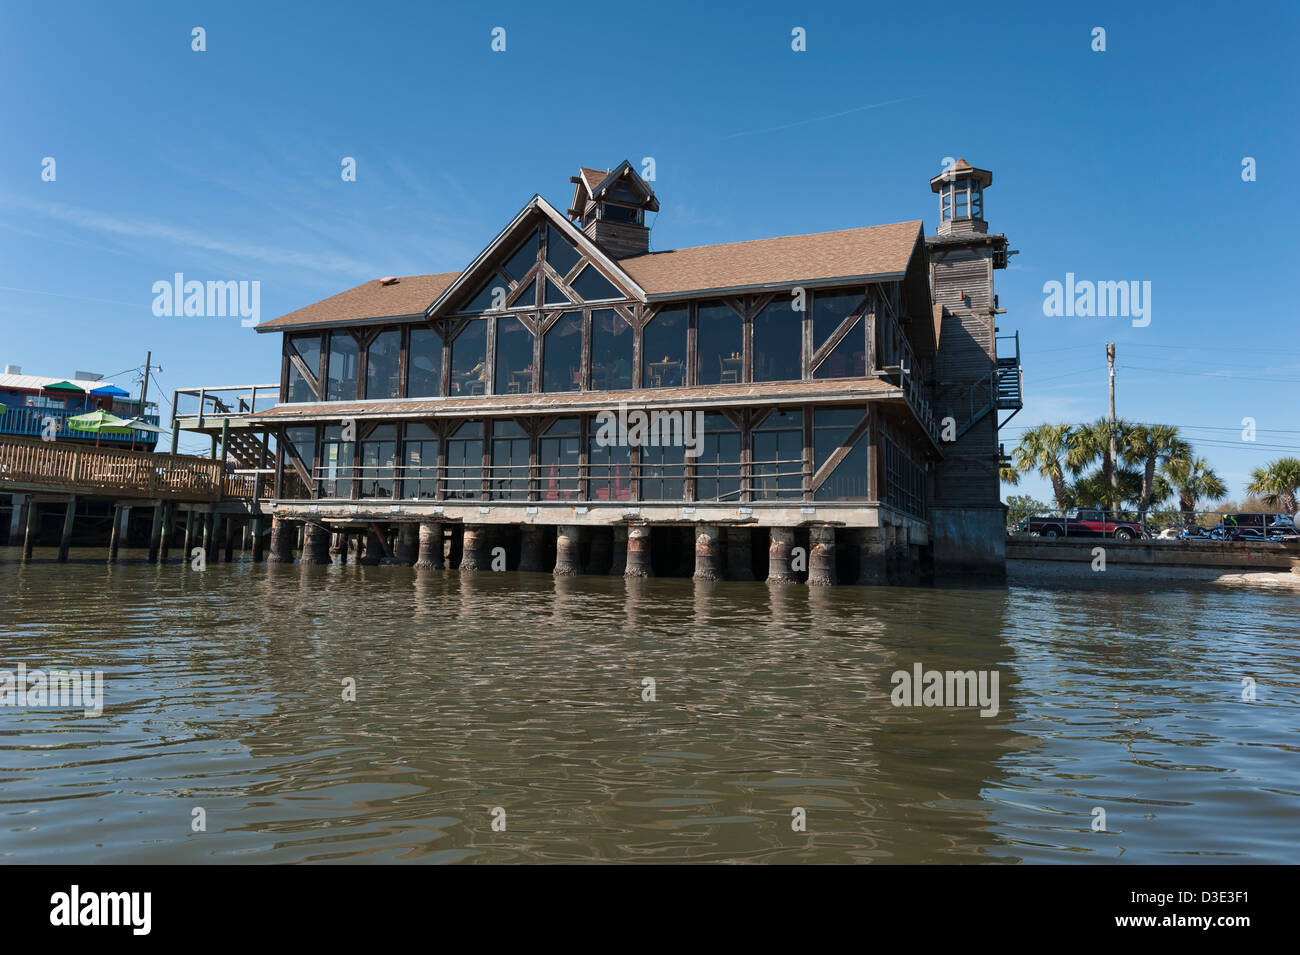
148	362
1114	443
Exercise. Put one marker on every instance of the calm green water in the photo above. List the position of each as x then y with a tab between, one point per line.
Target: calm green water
224	691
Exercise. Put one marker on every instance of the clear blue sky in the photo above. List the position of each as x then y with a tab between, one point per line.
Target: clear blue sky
225	165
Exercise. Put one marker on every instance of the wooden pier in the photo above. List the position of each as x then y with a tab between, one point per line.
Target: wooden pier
174	485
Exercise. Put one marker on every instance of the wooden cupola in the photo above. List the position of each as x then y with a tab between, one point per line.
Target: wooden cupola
609	206
961	198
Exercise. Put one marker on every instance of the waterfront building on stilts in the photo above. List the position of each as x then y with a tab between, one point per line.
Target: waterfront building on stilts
819	408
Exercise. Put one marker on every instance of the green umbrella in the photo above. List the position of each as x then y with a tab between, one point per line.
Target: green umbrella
100	422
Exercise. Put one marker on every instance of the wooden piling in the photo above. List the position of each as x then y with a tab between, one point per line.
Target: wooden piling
257	540
29	535
374	547
781	542
618	558
69	515
164	537
155	531
821	556
230	539
114	531
187	542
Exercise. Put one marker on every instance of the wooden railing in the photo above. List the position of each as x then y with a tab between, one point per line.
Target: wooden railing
49	465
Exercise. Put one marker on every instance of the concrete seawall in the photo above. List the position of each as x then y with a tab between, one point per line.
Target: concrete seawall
1148	564
1221	554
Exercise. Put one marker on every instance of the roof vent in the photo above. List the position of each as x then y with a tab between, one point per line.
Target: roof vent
390	280
13	369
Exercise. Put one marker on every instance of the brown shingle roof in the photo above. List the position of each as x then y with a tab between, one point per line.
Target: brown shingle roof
591	178
874	250
408	295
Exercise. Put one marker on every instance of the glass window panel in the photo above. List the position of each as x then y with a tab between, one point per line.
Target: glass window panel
663	471
831	426
424	371
776	456
562	355
514	357
717	467
611	350
594	287
554	296
306	347
524	258
491	295
345	358
335	471
557	457
464	476
420	462
778	342
560	253
378	454
665	349
849	357
848	482
383	364
720	342
510	451
616	213
527	295
609	467
469	370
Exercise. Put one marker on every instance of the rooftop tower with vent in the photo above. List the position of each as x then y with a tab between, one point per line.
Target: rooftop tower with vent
609	206
974	386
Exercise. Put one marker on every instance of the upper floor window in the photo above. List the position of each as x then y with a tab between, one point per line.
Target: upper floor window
664	348
344	363
383	364
307	349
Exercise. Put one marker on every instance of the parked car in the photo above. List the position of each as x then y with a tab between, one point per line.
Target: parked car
1085	522
1255	527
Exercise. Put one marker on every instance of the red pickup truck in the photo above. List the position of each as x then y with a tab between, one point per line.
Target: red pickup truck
1083	522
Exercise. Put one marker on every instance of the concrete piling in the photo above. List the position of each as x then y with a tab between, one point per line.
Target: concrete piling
568	538
473	556
618	557
781	543
282	533
638	552
430	555
530	548
706	552
821	556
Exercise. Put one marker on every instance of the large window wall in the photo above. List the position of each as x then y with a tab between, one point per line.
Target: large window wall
537	343
754	455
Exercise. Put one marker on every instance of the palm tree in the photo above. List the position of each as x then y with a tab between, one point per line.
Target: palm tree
1277	484
1192	480
1090	443
1149	445
1041	449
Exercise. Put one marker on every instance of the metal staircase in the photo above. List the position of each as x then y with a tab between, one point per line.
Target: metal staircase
1001	392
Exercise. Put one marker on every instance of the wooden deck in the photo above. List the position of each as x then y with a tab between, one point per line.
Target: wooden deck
33	466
